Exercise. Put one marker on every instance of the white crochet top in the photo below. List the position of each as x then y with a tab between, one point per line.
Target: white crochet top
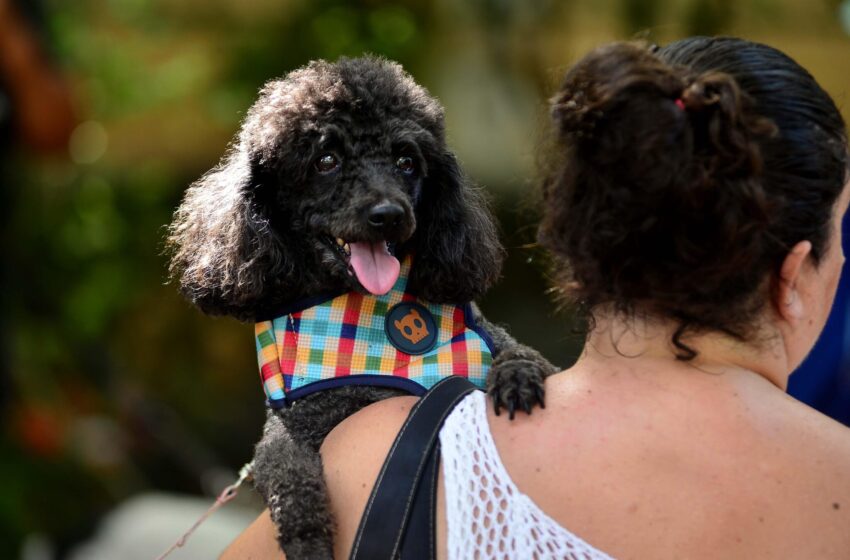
488	517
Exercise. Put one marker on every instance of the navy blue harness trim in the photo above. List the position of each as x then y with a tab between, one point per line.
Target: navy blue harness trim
469	320
402	383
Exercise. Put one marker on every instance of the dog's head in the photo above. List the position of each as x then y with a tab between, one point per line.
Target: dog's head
339	170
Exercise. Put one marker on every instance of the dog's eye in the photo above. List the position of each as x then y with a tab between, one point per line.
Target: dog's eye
406	165
327	163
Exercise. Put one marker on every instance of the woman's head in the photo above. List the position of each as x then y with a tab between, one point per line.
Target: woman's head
685	175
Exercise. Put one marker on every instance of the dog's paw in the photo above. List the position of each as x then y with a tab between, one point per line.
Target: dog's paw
516	384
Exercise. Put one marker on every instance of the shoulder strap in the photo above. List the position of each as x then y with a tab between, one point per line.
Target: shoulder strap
388	510
419	541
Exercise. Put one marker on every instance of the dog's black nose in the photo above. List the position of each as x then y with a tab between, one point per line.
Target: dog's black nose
386	215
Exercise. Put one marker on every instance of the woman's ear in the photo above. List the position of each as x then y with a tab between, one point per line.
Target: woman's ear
788	299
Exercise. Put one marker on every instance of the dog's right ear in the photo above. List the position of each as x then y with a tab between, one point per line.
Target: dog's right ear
458	253
224	254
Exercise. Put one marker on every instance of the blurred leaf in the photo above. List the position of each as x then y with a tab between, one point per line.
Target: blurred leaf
709	17
95	300
639	15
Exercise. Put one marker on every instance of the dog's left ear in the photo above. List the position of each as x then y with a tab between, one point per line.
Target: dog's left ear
225	256
458	254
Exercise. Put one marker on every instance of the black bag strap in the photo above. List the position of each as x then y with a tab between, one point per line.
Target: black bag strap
419	541
388	510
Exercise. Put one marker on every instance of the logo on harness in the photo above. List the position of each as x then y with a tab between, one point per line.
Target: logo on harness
411	328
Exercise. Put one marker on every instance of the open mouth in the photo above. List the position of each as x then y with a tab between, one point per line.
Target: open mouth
373	263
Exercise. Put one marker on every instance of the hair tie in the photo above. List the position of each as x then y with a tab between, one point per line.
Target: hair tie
680	103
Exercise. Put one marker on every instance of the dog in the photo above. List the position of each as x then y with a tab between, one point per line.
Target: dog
340	185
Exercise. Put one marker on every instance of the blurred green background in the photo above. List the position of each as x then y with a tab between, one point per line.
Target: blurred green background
110	384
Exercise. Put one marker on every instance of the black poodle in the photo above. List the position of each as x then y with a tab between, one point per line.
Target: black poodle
339	173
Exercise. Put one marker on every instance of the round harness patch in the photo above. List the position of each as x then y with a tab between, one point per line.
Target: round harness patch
411	328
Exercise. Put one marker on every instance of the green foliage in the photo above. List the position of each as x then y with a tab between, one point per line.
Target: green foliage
639	15
709	17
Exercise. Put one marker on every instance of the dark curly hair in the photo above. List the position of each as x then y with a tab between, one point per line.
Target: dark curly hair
683	175
250	235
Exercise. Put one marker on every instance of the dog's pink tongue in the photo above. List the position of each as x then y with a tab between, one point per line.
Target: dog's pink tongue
376	269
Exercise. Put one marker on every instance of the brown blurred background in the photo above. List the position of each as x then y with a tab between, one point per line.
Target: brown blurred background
112	387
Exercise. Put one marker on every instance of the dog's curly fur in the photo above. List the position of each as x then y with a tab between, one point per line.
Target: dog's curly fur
317	153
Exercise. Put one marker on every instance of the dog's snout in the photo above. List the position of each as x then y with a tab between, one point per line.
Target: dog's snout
385	216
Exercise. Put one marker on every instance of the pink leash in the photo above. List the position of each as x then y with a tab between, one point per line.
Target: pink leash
226	495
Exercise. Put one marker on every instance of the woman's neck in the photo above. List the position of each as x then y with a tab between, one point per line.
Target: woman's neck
617	338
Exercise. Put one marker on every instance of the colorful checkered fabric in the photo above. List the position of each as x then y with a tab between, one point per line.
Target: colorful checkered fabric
343	341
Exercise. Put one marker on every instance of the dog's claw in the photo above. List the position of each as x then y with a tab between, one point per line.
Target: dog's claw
517	384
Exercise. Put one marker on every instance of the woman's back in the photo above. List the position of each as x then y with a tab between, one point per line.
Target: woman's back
643	464
647	463
486	515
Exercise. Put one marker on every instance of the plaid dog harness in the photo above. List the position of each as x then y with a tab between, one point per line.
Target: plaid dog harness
394	340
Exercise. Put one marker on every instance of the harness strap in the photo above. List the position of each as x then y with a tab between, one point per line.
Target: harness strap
404	493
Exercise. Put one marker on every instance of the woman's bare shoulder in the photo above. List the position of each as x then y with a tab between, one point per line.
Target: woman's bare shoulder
818	452
369	426
808	429
822	441
352	454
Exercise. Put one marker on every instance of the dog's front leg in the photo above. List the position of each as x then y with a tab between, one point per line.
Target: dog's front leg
515	380
288	474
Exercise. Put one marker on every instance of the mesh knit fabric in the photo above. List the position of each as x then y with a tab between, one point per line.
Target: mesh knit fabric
488	517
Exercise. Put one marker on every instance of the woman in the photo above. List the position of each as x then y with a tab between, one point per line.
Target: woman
693	208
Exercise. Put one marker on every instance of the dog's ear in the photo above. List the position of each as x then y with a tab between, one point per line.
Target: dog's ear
458	254
224	254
